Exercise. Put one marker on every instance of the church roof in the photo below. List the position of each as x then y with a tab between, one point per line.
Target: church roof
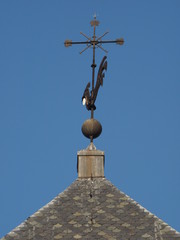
93	209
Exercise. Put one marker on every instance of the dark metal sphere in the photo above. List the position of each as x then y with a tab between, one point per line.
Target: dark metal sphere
91	128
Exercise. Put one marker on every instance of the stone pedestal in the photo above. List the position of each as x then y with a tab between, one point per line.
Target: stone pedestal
90	163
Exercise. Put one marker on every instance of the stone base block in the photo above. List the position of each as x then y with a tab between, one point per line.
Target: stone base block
90	163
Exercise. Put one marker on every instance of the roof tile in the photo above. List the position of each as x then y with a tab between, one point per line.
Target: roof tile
93	209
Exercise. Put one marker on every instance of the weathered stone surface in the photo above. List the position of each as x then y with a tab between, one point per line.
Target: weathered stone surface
93	209
90	163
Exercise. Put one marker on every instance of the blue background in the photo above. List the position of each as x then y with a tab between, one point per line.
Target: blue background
41	84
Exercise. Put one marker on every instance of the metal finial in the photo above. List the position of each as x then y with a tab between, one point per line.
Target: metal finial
94	22
91	127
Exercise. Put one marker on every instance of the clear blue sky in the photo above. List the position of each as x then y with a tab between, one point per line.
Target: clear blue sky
41	85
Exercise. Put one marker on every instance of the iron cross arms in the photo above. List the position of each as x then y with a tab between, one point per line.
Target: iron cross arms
94	41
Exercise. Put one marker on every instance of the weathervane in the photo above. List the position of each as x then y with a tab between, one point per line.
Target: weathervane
91	128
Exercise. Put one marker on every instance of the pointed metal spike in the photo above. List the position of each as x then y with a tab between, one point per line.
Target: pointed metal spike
102	35
85	49
102	48
85	36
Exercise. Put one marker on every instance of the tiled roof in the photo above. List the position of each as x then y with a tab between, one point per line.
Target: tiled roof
93	209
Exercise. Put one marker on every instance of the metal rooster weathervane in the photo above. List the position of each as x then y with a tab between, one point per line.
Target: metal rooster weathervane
91	128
